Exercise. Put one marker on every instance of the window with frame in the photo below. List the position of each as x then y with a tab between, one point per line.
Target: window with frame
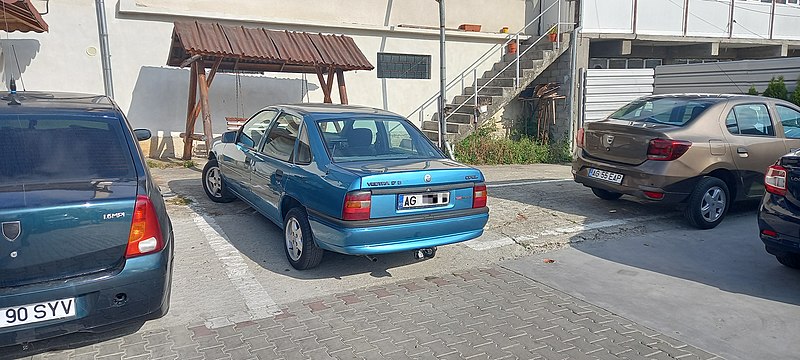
254	129
750	119
790	119
281	138
404	66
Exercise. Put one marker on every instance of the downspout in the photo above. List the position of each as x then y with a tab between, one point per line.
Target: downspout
443	80
105	54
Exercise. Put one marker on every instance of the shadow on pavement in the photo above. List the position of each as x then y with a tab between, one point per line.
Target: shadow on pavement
256	237
70	341
728	258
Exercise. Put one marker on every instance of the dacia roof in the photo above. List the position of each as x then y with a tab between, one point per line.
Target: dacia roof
54	102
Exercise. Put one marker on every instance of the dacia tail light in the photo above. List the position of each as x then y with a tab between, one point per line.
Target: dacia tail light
145	236
479	196
666	149
579	138
357	205
775	180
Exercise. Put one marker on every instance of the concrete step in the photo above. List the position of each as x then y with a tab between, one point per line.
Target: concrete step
502	82
533	54
524	63
468	108
490	90
460	117
482	100
512	70
451	128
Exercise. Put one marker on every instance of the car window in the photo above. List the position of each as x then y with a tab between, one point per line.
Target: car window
376	139
281	138
669	110
750	119
790	119
254	129
44	149
303	156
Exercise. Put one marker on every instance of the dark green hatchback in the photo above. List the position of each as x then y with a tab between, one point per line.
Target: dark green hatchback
85	240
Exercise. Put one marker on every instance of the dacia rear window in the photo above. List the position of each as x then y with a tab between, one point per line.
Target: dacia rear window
668	110
51	149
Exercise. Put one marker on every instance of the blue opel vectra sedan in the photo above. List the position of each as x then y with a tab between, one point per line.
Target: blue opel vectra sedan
347	179
85	240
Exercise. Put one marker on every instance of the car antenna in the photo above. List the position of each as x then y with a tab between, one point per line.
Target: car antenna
12	94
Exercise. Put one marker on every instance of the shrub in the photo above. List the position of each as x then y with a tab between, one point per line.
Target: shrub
752	90
795	97
480	148
776	89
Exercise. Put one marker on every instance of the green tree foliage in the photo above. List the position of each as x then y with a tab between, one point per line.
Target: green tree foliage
795	97
752	90
776	89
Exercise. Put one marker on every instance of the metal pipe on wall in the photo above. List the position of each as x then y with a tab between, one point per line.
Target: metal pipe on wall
105	54
443	77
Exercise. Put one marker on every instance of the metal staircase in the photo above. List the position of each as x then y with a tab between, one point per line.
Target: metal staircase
496	87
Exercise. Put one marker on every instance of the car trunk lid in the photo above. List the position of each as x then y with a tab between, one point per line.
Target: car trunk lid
621	141
416	187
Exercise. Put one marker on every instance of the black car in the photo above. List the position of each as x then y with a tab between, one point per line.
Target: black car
779	214
85	240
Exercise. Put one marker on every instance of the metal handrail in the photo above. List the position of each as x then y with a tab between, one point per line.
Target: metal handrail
482	59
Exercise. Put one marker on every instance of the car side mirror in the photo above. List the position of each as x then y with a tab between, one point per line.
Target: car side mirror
229	137
142	134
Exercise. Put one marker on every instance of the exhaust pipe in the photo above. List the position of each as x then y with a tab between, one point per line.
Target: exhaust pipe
425	253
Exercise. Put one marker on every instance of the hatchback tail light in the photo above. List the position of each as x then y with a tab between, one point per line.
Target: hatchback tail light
145	236
357	205
479	196
579	138
667	149
775	180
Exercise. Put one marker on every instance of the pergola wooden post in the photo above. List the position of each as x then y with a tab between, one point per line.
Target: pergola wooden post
326	83
199	80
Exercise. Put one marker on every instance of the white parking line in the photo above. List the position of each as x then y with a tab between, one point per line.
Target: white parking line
259	304
527	183
479	245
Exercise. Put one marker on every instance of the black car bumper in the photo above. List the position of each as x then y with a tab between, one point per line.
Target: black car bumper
777	215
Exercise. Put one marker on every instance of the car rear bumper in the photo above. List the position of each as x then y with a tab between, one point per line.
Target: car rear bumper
776	216
144	280
637	179
382	239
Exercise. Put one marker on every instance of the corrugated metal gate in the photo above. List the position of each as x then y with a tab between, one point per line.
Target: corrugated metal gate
606	90
733	77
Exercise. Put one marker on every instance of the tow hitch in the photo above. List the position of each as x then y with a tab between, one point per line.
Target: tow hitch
425	253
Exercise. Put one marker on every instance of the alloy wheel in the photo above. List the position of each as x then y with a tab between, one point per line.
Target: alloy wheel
713	204
294	239
214	182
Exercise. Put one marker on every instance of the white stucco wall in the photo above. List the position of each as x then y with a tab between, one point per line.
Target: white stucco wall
155	96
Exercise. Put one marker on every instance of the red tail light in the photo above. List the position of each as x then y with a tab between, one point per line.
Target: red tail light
145	236
579	138
357	205
770	233
666	149
775	180
654	195
479	196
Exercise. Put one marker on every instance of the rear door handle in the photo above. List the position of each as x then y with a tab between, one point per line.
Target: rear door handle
278	174
742	151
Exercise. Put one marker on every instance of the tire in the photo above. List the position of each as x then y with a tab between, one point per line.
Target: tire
789	260
605	194
301	251
214	185
708	203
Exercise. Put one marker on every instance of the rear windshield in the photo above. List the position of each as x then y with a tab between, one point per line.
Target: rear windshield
359	139
672	111
49	149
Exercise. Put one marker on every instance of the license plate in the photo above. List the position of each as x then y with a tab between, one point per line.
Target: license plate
407	201
606	176
31	313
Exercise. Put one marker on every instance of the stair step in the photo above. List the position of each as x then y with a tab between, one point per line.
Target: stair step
482	100
460	117
533	54
524	66
451	128
500	81
490	90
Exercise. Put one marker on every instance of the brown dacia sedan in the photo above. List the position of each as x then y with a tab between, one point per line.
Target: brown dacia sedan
705	151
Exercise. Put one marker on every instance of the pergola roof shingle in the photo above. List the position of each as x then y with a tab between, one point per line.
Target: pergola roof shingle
260	49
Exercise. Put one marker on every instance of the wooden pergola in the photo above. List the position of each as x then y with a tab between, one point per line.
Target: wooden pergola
21	15
216	47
